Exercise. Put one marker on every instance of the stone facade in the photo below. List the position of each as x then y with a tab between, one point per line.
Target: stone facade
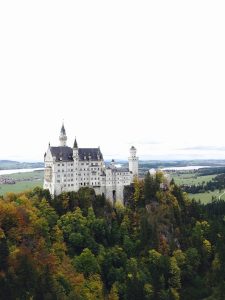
68	169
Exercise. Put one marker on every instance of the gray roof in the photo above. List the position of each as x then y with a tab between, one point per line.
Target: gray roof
122	170
95	153
62	153
118	170
65	153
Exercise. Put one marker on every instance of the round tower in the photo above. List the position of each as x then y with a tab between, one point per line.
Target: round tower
62	137
133	161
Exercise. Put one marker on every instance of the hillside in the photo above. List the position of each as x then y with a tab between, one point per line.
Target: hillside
159	246
10	164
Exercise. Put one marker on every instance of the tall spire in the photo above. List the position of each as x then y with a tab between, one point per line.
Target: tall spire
75	144
63	131
62	137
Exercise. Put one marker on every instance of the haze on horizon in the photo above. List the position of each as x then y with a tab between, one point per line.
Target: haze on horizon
121	73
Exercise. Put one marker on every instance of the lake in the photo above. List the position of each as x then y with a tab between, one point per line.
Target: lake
8	172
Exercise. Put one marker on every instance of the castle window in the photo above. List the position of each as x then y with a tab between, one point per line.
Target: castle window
58	170
58	165
58	181
71	184
62	164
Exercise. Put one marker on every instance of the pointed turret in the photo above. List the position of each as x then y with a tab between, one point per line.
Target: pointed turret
75	150
75	146
62	137
63	131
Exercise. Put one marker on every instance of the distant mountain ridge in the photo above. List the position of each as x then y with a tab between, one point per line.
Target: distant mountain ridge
11	164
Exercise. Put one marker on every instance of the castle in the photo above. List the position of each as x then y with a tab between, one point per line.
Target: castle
68	169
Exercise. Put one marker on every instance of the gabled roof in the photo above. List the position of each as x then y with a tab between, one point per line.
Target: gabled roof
62	153
94	153
66	153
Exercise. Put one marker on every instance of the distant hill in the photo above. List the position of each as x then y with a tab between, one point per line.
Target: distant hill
10	164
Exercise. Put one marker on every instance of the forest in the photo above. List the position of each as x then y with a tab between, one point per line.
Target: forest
159	245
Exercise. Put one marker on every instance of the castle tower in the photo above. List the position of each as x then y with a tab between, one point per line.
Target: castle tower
62	137
133	161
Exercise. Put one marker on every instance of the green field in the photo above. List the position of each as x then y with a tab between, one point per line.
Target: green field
191	178
207	197
29	181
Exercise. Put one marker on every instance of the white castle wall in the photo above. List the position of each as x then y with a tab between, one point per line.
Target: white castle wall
71	175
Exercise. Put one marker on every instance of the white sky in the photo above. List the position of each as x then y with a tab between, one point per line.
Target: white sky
148	73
